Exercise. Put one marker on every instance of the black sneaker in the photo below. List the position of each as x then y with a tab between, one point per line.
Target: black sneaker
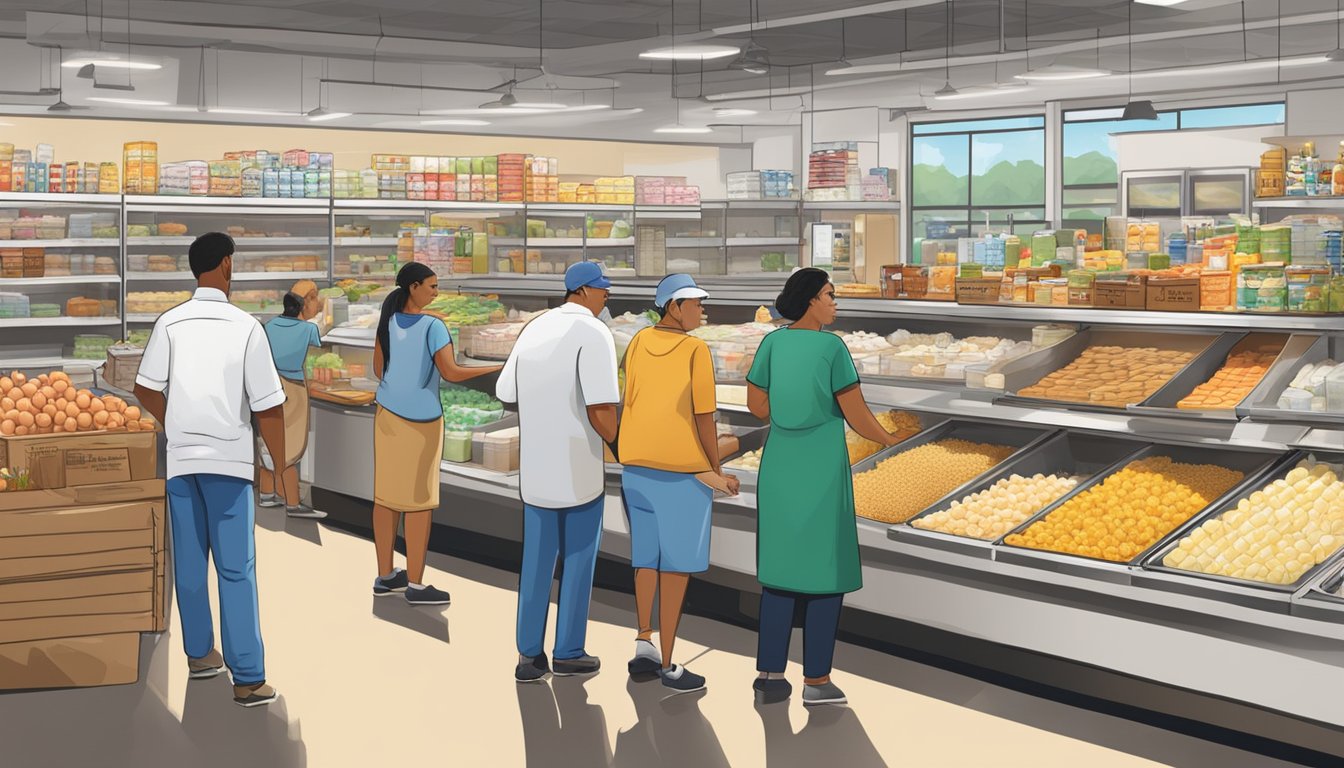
772	691
533	670
685	681
427	596
647	660
270	500
583	665
384	587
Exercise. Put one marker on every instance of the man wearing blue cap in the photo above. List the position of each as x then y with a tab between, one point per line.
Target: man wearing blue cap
562	375
669	446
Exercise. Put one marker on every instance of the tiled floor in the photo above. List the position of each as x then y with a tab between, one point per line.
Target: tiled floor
369	682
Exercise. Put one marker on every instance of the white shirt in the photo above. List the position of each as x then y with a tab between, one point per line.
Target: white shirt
564	361
213	362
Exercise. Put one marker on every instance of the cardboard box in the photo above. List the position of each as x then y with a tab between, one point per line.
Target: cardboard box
109	659
1120	294
90	458
978	290
1173	294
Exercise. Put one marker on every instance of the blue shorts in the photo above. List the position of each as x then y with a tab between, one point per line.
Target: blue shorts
669	519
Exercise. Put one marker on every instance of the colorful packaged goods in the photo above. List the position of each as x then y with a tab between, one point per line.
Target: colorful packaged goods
140	159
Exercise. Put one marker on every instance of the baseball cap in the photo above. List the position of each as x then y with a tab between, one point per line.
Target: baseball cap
677	286
585	273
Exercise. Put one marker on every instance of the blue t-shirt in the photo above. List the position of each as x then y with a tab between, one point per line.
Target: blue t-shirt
290	339
410	385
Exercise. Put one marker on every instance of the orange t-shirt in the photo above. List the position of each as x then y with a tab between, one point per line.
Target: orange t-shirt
669	379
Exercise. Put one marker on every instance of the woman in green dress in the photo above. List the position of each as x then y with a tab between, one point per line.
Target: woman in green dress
804	383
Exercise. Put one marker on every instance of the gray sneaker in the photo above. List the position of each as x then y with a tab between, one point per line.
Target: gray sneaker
826	693
583	665
305	512
396	583
270	500
427	595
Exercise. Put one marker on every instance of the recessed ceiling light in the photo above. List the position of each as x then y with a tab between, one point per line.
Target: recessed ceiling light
733	112
454	122
131	102
110	64
247	111
516	110
690	52
323	116
541	105
1054	73
1160	2
975	93
683	129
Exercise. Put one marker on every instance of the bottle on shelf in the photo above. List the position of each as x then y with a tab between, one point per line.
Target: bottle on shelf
1337	174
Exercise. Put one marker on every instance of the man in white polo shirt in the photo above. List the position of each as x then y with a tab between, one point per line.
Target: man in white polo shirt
562	375
206	370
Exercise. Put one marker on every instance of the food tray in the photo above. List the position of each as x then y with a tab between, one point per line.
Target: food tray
1302	349
756	440
1017	331
1036	366
1252	464
1074	453
1319	600
1020	437
1275	597
1163	402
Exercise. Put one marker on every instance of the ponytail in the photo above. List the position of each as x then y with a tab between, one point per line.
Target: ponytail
293	304
410	274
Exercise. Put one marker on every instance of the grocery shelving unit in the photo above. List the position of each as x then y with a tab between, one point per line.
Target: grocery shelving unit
276	230
94	266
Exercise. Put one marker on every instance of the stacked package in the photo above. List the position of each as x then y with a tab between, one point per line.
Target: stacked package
876	184
512	178
141	161
833	171
392	170
615	190
14	305
542	180
226	178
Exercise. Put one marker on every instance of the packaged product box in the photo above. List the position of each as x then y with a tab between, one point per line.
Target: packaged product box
1173	294
86	458
1216	291
978	290
1129	292
1081	283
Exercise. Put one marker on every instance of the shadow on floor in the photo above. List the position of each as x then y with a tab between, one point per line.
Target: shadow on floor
832	736
670	731
560	728
129	725
430	621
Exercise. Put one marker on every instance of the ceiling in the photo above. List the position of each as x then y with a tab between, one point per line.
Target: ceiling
398	63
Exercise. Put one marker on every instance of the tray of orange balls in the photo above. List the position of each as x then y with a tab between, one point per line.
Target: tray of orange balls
1109	524
51	404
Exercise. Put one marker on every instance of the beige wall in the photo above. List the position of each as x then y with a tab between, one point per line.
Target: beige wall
101	140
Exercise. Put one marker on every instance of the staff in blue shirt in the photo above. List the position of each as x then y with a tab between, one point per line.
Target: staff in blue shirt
290	336
412	353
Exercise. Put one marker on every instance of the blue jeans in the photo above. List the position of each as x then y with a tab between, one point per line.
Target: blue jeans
821	621
573	534
213	515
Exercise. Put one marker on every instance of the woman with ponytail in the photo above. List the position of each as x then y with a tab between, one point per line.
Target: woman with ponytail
412	352
291	335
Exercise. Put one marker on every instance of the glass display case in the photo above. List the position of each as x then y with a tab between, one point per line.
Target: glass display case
279	242
60	278
680	239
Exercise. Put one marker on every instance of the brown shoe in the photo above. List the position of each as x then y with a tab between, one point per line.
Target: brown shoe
206	667
253	695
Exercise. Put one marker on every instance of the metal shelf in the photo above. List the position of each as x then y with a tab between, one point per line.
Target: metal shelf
886	206
67	242
363	242
695	242
764	241
1318	202
59	197
61	280
33	322
346	204
141	202
610	242
554	242
241	277
244	243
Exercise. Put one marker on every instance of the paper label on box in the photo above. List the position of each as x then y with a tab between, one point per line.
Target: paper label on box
98	465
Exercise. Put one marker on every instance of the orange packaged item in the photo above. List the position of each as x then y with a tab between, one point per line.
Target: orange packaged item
82	307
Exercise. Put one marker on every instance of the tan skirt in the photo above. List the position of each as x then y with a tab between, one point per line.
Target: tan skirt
296	420
406	456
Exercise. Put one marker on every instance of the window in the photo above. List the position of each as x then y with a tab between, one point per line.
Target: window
967	175
1090	167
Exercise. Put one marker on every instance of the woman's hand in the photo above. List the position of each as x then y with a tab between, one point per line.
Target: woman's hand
725	484
891	440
